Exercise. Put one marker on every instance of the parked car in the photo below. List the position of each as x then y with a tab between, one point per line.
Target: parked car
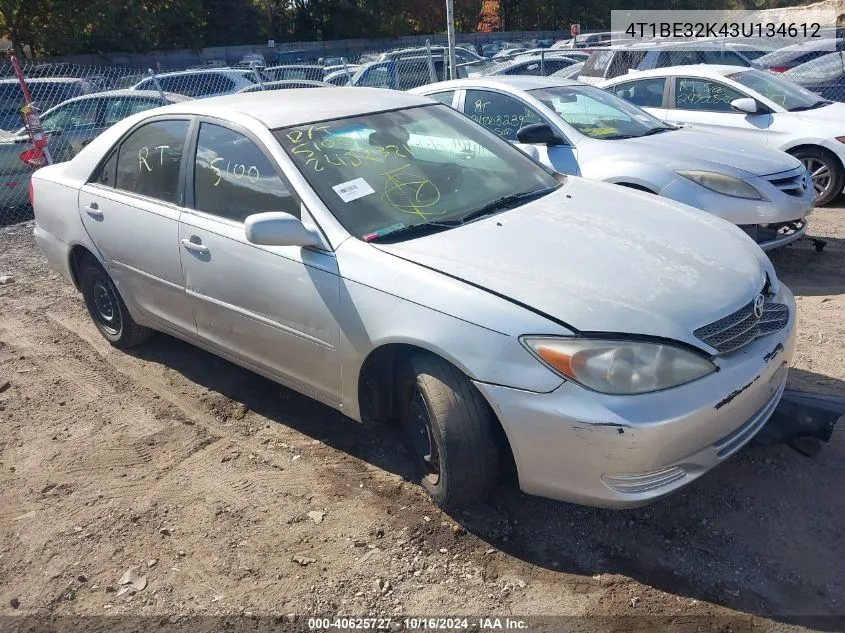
313	72
824	76
327	62
286	84
70	126
615	61
253	59
783	59
386	255
748	104
201	83
45	92
402	74
535	65
582	130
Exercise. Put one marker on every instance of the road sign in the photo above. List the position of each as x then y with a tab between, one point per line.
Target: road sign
271	43
575	30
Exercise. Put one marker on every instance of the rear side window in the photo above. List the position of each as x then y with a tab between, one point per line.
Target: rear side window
105	173
501	114
149	160
446	97
118	109
646	93
233	178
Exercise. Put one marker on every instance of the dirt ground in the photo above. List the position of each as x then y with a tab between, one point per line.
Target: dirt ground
233	495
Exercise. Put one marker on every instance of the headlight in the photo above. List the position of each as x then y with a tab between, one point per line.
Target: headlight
721	183
619	367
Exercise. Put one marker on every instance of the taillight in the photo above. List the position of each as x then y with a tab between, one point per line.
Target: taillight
779	69
35	158
31	194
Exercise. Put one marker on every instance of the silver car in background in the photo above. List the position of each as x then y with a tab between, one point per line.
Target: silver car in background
582	130
384	254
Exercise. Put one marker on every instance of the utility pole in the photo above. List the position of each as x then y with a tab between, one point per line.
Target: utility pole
450	32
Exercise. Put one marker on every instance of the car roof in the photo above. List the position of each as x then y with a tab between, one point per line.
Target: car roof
202	71
128	92
518	82
276	109
712	71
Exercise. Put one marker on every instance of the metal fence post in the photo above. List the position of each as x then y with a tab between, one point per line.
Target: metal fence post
432	72
254	66
450	33
152	74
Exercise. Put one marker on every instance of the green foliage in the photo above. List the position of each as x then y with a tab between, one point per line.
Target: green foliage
61	27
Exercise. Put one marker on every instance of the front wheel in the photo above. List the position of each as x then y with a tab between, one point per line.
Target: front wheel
826	173
449	429
106	307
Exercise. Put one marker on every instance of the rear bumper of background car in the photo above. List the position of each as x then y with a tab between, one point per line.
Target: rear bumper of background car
576	445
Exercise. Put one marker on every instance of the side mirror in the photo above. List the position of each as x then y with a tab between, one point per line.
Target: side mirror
746	105
538	134
279	229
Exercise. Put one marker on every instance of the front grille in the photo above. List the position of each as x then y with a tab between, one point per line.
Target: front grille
736	330
793	183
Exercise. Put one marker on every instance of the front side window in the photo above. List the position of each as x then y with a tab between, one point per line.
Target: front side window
373	77
380	172
645	93
596	113
149	160
501	114
704	94
233	178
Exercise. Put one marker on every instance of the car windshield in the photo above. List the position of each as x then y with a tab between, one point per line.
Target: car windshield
786	94
598	114
383	172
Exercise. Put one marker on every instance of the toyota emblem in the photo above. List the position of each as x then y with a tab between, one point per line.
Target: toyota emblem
759	301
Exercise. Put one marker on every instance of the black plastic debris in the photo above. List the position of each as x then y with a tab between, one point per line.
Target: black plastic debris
803	420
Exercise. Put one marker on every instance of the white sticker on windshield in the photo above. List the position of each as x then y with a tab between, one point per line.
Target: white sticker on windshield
353	189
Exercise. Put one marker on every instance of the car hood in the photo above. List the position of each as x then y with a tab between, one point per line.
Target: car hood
600	258
832	116
693	149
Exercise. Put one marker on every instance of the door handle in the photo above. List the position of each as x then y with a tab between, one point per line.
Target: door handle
93	209
199	249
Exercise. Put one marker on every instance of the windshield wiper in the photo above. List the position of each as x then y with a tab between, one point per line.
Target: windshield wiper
813	106
657	130
505	203
413	230
615	137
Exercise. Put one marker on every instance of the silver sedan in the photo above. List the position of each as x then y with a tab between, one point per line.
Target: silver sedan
582	130
395	260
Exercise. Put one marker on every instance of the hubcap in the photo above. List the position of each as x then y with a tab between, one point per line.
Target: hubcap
422	438
106	308
820	173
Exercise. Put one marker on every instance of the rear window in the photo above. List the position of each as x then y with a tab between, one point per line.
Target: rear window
45	95
596	65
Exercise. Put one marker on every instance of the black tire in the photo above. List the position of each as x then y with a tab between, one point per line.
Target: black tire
462	463
106	307
830	178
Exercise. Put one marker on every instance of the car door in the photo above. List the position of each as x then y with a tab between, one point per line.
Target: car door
271	307
706	104
504	114
130	208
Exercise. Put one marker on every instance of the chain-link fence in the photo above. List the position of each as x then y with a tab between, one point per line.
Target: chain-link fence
76	103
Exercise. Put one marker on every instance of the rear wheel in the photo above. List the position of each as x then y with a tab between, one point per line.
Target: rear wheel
106	307
826	172
449	430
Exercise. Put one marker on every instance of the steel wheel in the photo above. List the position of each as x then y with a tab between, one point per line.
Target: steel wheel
422	437
107	309
820	173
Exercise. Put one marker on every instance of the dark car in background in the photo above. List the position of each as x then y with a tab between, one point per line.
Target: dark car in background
783	59
824	75
46	92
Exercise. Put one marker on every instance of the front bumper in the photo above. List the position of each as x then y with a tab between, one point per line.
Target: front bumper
623	451
777	209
